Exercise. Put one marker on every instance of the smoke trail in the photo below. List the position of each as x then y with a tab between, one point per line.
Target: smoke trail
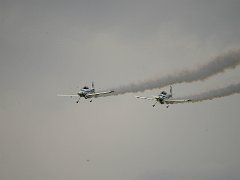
217	93
218	65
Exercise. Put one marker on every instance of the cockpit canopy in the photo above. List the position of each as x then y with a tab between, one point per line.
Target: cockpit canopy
164	92
85	87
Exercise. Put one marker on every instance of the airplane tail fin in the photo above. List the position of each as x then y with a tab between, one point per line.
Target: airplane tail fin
93	86
171	93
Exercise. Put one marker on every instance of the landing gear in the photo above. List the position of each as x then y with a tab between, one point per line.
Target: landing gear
91	100
167	106
154	104
78	100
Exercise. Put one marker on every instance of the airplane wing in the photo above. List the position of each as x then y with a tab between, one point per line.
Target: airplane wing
147	98
176	101
98	94
68	95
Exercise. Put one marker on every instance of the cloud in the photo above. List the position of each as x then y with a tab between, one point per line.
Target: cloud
217	93
218	65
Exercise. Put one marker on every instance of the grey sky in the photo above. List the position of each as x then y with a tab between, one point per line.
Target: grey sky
49	47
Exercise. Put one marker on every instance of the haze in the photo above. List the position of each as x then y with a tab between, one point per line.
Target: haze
52	47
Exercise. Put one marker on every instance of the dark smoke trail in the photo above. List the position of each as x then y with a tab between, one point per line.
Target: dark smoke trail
218	65
217	93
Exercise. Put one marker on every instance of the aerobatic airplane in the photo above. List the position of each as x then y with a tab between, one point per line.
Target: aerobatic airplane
87	93
164	98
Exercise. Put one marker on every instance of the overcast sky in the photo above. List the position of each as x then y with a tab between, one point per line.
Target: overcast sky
52	47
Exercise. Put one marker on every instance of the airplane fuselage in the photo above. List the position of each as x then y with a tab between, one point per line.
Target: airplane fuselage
85	91
162	98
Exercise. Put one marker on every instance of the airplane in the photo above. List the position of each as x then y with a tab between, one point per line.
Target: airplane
165	98
87	93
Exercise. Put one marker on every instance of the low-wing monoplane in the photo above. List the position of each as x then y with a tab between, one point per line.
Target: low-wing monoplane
87	93
165	98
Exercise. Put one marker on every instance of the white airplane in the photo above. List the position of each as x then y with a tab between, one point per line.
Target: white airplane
164	98
87	93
